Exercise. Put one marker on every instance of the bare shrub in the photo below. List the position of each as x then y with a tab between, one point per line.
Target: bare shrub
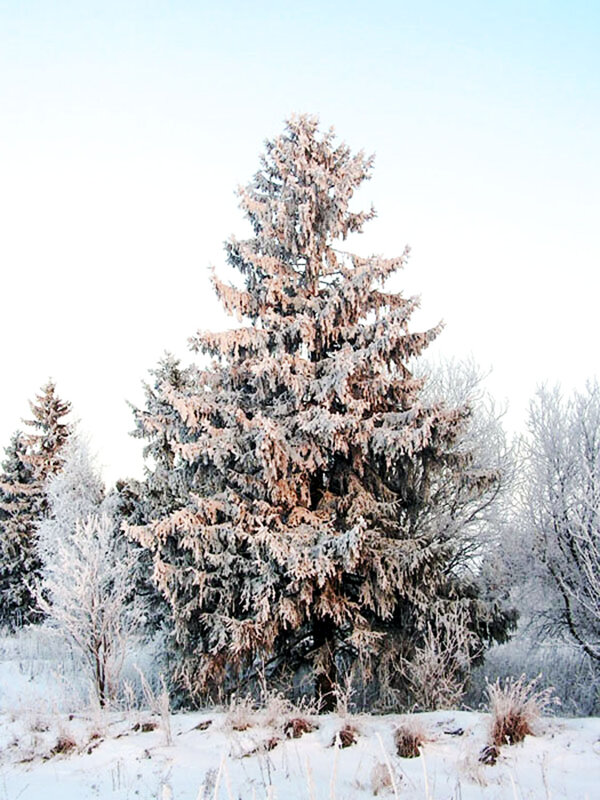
85	587
437	673
94	742
409	736
270	744
515	706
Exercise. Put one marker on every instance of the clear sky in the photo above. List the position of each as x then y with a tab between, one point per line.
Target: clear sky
126	126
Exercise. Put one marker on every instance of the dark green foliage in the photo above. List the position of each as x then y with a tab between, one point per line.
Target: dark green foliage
31	460
18	517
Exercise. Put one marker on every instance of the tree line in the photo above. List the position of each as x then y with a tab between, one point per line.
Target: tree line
320	510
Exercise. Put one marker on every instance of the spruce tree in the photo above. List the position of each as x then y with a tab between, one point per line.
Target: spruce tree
321	524
168	479
17	520
167	482
32	459
45	443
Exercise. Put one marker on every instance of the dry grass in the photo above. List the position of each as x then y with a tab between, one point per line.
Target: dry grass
265	746
159	703
274	708
297	726
64	744
345	737
409	736
515	706
380	779
241	714
94	742
145	727
438	671
489	755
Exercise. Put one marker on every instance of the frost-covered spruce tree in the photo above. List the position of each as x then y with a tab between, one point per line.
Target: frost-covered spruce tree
50	432
17	520
168	478
167	482
316	531
35	457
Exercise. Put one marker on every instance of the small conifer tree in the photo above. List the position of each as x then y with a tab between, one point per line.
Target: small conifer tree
50	432
31	460
17	519
320	526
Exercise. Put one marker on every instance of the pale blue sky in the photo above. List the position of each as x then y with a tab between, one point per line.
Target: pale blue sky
126	126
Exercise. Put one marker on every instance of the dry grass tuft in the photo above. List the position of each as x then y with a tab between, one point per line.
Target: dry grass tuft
274	708
64	744
297	727
515	706
270	744
345	737
145	727
511	728
95	741
241	714
408	738
489	755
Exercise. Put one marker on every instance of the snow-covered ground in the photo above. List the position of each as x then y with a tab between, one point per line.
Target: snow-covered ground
52	753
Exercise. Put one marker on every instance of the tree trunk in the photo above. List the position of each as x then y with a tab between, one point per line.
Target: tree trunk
99	669
326	678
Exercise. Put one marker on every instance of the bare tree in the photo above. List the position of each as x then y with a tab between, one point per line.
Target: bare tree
479	516
87	572
562	510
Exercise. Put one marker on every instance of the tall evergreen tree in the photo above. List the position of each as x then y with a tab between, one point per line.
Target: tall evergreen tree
17	520
321	525
32	459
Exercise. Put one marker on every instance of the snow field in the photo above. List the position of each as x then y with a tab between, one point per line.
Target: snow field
55	745
121	756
